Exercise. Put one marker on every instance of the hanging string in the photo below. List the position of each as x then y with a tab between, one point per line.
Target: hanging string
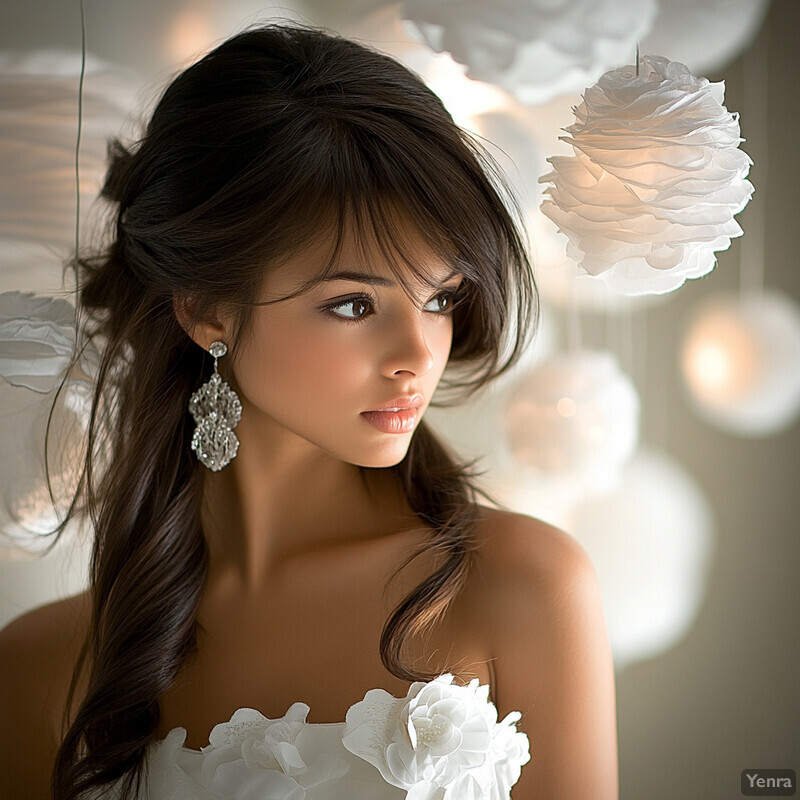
78	156
59	511
637	59
752	248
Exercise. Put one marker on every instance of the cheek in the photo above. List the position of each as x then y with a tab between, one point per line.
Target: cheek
300	365
291	366
441	340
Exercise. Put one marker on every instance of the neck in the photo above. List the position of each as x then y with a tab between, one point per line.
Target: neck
281	498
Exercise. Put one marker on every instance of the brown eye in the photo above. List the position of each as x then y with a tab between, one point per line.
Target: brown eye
443	301
354	309
359	307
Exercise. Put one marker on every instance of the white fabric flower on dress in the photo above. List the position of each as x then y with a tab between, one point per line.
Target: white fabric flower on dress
534	49
441	742
252	757
656	178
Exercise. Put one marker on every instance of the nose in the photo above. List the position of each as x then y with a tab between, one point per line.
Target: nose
407	349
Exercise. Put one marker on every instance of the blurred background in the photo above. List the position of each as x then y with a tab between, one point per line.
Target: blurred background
655	417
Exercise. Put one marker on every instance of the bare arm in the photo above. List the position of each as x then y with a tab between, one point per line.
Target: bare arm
552	659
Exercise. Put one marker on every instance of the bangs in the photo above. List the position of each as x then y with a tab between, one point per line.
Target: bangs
390	194
384	230
392	191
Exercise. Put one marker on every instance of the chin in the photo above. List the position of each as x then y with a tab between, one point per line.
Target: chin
379	463
380	458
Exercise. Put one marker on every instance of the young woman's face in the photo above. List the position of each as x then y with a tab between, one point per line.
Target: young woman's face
317	368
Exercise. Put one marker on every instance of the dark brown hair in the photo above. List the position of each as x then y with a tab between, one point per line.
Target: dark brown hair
279	128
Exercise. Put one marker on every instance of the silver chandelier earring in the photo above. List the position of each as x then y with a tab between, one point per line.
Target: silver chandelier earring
217	410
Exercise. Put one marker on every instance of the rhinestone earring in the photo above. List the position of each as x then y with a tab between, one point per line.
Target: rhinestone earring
217	410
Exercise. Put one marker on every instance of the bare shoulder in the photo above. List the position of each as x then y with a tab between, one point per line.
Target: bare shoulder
525	563
533	581
528	580
517	546
59	618
536	598
522	567
38	652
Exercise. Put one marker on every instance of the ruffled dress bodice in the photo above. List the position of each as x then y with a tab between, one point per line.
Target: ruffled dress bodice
442	741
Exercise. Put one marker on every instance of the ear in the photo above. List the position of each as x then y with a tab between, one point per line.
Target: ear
202	332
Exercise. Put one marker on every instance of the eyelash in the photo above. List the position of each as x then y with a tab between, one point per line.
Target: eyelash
450	294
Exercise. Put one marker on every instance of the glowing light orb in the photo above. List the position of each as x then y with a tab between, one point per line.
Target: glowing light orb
650	538
741	362
575	415
651	542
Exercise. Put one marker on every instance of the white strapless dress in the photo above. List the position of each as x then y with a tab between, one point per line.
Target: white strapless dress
442	741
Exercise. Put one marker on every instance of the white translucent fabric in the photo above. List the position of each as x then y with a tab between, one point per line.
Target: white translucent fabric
442	741
37	338
534	49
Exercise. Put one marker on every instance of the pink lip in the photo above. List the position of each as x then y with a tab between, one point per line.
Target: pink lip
399	404
392	421
396	416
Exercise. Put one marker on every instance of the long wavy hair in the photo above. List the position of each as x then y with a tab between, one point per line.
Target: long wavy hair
248	150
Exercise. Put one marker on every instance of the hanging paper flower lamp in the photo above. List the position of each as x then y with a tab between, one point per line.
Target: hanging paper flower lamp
576	416
36	344
656	178
741	362
561	282
534	49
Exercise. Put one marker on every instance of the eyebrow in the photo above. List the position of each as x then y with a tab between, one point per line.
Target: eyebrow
374	280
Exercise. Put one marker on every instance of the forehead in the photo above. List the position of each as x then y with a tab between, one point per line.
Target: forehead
399	256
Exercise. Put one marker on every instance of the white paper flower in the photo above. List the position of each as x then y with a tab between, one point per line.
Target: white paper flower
535	49
656	178
509	751
252	756
441	742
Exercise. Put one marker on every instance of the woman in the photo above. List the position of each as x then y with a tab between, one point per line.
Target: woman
281	527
